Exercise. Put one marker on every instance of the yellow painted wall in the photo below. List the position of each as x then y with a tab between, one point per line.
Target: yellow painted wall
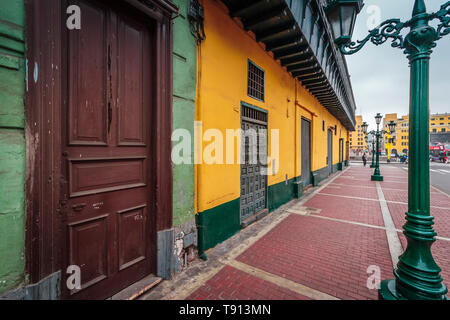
222	85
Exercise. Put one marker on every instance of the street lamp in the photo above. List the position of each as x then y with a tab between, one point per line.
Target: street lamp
364	127
372	133
417	275
342	16
392	126
377	135
377	175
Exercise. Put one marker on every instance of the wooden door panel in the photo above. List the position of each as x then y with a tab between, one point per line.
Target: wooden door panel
87	90
89	249
105	175
131	235
132	43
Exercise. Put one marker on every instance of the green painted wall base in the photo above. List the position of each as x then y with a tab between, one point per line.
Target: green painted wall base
319	175
218	224
281	193
298	188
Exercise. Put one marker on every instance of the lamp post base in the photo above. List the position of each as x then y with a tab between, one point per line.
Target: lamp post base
388	291
376	177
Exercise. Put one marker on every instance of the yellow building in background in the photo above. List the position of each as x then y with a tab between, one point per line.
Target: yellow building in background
439	123
358	143
402	134
389	139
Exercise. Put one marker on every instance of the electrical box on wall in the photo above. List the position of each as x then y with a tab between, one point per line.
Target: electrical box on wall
195	11
196	15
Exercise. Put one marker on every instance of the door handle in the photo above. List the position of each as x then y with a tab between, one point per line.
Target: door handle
78	207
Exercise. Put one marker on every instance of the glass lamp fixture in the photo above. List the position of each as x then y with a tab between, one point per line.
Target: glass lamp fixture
392	126
342	16
378	118
364	127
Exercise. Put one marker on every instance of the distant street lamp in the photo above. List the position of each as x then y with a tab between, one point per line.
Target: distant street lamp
372	133
377	175
417	275
364	127
377	135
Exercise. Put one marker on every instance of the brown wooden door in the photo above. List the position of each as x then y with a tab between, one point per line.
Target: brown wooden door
107	182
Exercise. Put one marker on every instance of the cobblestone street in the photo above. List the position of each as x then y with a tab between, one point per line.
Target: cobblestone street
317	247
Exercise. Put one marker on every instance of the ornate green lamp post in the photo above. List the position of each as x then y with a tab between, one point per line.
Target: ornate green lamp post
377	136
417	275
372	133
364	127
377	175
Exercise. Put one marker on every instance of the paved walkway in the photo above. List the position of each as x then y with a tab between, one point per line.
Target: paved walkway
324	246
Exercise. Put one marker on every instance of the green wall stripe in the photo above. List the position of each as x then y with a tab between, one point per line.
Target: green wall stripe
218	224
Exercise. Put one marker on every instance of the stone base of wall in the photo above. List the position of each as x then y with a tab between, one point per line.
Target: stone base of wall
46	289
185	245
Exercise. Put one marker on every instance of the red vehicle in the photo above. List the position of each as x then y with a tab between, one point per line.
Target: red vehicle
445	155
440	153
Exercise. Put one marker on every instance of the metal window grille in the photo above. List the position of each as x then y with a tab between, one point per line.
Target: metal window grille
256	81
251	114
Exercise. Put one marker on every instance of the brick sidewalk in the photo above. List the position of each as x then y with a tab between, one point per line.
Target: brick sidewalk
321	247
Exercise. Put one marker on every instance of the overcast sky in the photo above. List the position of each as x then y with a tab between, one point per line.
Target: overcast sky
380	74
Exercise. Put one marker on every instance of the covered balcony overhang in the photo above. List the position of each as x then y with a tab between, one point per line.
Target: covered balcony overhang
299	36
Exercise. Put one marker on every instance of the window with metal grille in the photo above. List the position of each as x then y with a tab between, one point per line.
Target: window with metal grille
255	82
253	115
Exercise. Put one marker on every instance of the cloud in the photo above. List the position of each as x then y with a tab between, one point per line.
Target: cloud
380	74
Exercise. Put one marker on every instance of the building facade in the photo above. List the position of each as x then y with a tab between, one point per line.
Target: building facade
94	110
276	71
358	143
439	132
184	95
397	142
85	145
13	68
440	128
440	123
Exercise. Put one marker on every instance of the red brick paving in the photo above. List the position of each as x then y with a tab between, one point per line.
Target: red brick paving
362	211
233	284
395	185
441	218
436	199
354	191
331	256
353	182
